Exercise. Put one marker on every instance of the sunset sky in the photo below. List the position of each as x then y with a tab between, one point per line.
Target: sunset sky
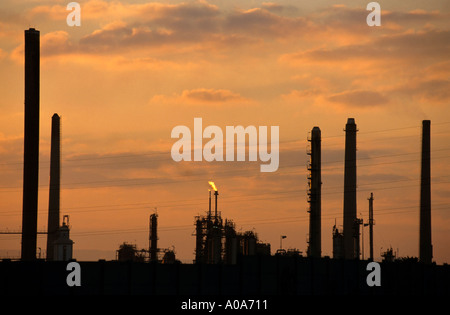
134	70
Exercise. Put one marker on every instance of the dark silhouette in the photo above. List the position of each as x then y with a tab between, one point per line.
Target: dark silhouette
54	190
314	195
153	237
425	250
31	146
350	226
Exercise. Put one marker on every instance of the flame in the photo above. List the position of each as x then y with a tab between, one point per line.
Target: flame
213	186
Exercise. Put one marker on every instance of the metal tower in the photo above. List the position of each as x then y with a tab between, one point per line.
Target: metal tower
371	224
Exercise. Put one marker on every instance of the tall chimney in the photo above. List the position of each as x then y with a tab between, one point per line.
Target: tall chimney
315	183
350	232
153	237
31	145
54	191
425	250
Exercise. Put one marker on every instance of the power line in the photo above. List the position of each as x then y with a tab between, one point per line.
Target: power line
166	153
228	173
282	220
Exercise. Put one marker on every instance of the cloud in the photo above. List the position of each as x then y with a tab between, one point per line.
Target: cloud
433	90
299	95
273	7
202	96
413	17
359	98
155	25
53	43
210	95
261	22
399	47
192	24
56	43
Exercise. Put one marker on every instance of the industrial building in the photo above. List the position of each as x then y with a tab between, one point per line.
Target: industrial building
218	242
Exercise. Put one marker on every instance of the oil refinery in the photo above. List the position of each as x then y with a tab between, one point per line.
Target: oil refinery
226	260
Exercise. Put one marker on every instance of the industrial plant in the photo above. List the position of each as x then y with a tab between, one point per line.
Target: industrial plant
225	261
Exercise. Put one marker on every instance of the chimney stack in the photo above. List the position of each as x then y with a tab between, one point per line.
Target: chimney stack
315	184
153	237
54	191
31	145
350	231
425	247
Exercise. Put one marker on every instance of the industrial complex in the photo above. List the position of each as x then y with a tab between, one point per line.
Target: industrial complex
226	261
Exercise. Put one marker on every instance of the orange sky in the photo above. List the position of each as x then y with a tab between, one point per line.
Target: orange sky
134	70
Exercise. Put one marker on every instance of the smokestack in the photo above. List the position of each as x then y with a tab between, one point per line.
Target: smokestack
31	145
350	231
315	183
216	193
425	250
153	237
54	194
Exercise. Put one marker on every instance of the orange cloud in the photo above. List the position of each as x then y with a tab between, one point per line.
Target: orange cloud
359	98
398	47
210	95
56	43
202	96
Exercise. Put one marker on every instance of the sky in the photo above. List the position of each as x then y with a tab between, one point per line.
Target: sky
134	70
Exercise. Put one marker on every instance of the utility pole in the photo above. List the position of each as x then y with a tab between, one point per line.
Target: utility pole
371	224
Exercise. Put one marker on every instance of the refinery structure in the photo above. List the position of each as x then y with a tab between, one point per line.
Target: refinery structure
217	241
216	238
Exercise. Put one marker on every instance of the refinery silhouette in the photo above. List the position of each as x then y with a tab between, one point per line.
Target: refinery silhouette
225	261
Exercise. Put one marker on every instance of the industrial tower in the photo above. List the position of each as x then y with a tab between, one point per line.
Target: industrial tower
31	145
54	190
425	246
314	195
351	225
153	237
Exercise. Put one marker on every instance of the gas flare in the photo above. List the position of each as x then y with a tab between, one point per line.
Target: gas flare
212	185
